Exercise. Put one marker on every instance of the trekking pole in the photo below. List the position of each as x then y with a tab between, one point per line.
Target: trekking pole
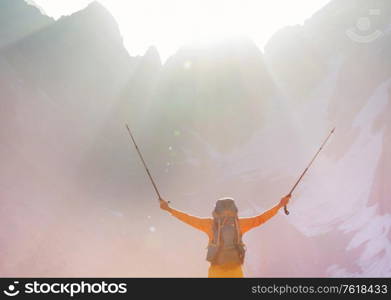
145	165
306	169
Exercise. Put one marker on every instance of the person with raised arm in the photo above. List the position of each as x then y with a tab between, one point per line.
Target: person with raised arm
225	229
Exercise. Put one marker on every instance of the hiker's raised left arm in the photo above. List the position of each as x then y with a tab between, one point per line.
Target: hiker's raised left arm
248	223
202	224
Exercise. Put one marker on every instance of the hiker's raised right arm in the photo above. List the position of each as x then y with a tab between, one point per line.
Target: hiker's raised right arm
202	224
248	223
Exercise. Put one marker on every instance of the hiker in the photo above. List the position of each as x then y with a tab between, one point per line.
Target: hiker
225	230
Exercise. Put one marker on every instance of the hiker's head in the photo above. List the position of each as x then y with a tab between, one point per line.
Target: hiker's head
225	207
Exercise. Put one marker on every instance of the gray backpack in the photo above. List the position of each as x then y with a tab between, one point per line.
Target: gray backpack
226	246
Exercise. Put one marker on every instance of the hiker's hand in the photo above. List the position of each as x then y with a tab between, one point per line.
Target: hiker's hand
284	201
164	204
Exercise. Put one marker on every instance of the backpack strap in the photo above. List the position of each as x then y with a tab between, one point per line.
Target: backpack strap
239	235
217	241
216	238
220	224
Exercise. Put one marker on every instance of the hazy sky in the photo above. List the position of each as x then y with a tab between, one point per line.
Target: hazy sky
169	24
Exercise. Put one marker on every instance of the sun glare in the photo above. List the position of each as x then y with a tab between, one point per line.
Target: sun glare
170	24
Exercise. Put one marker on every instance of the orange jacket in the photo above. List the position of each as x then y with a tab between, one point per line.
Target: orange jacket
205	224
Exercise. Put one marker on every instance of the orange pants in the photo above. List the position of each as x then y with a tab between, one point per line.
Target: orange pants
229	271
